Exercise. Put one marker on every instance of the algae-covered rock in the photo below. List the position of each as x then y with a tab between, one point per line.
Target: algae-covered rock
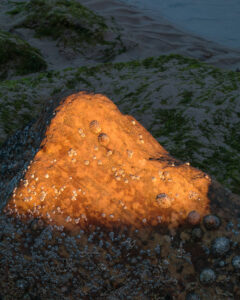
191	108
17	57
71	25
76	158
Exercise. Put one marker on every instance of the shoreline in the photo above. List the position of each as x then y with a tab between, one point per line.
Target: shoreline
161	37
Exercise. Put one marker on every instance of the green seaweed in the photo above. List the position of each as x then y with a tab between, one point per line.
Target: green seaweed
72	25
18	57
210	143
186	97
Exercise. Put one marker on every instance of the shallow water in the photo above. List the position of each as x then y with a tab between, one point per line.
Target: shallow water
215	20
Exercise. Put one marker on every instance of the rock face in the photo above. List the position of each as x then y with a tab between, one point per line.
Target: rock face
98	166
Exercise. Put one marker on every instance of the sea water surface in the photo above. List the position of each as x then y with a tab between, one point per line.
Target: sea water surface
215	20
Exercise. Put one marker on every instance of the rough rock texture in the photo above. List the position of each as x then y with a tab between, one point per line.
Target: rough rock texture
97	166
71	25
180	101
44	261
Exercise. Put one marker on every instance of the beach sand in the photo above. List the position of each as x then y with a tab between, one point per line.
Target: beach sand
158	36
143	35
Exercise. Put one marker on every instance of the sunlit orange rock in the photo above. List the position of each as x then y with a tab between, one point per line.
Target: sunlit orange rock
98	166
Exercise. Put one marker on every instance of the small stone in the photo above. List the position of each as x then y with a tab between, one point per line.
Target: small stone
207	276
220	246
236	262
193	217
211	222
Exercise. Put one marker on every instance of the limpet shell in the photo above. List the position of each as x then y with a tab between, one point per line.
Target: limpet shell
103	139
95	126
163	200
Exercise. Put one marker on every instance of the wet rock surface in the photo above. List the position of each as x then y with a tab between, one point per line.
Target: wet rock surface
41	259
81	175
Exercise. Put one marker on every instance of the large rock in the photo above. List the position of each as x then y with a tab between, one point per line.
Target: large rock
98	166
71	182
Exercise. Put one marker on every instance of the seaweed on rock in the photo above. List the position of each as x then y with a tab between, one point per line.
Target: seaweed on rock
71	25
17	57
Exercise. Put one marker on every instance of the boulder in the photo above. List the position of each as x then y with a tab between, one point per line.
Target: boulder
98	166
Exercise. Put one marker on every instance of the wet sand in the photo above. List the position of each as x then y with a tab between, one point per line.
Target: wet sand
155	37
